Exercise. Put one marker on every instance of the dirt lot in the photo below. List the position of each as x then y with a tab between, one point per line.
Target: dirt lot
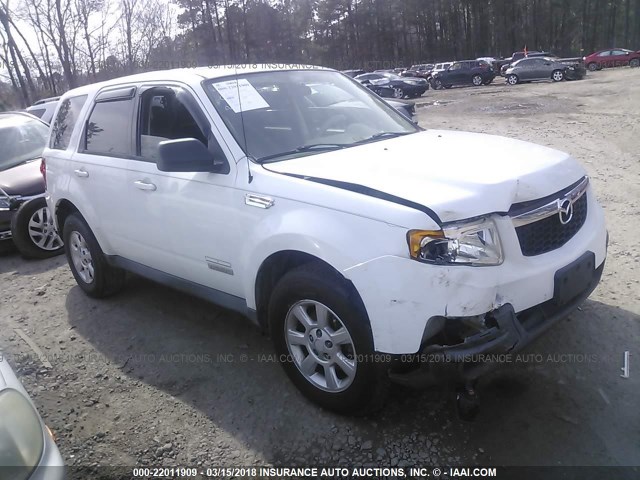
154	377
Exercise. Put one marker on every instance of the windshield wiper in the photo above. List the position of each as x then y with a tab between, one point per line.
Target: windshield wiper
305	148
380	135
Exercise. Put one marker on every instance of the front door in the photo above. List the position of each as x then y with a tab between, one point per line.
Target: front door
186	224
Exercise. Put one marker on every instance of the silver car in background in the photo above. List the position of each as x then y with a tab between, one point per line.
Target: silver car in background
542	68
27	448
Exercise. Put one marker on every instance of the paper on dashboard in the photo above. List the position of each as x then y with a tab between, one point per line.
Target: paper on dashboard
240	95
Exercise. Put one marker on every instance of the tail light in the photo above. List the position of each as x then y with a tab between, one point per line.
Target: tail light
43	171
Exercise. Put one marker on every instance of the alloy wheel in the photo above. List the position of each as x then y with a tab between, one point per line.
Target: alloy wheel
81	257
512	80
557	76
477	80
320	345
42	231
398	93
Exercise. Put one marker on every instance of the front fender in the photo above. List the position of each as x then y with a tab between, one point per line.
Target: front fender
340	239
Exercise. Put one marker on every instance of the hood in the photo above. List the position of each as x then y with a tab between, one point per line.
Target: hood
24	179
457	175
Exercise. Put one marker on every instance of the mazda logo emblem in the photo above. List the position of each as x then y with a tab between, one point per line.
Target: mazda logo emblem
565	211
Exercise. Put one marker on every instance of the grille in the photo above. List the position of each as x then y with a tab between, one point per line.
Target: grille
548	234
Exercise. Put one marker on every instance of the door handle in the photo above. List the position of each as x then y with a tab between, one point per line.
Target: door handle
81	173
144	185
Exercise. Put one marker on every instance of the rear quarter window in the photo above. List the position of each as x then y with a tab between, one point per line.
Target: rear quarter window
65	121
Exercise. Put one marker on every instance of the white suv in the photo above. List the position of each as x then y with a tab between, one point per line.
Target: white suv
323	220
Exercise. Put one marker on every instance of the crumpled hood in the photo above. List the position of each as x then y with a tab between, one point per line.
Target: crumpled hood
458	175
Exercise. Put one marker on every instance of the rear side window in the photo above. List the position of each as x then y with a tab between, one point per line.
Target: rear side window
109	128
37	112
65	121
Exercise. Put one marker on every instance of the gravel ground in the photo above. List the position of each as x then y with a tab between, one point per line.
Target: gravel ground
154	377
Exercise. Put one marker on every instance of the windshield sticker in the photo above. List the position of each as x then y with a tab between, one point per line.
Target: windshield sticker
248	98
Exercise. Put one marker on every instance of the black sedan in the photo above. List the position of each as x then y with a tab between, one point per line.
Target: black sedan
396	86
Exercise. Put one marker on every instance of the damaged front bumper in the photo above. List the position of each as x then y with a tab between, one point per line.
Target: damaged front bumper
465	348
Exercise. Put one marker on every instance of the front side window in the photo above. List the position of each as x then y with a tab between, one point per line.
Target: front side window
65	121
164	116
301	112
606	53
456	66
108	129
22	139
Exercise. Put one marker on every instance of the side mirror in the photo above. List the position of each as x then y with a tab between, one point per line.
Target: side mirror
185	155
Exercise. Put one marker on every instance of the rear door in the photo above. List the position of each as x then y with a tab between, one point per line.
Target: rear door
99	167
620	57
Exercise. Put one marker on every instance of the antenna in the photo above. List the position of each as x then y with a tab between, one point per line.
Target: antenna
244	132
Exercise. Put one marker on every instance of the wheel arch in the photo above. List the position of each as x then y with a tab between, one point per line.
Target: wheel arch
277	265
63	209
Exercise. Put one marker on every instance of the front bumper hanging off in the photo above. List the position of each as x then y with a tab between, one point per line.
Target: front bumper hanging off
477	351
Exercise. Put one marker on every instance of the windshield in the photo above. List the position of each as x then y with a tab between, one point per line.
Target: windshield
277	115
22	139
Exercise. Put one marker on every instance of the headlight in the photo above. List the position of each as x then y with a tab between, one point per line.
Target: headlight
21	437
470	243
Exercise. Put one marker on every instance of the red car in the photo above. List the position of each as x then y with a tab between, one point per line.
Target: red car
615	57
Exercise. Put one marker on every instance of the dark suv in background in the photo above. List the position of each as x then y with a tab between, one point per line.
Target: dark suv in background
466	72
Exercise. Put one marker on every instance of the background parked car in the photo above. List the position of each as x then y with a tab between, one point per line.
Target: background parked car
322	95
466	72
437	68
615	57
542	68
402	86
502	65
353	73
24	216
27	448
421	71
43	109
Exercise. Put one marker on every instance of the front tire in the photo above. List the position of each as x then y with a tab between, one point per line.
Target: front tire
323	339
476	80
87	262
33	231
398	93
557	75
634	63
512	79
592	67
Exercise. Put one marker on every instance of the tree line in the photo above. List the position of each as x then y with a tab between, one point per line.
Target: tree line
49	46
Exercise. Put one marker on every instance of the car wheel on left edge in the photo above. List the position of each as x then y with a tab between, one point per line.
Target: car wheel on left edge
33	231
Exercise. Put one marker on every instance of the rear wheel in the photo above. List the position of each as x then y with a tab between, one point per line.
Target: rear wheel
592	67
512	79
33	231
557	75
87	262
635	63
476	80
324	342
